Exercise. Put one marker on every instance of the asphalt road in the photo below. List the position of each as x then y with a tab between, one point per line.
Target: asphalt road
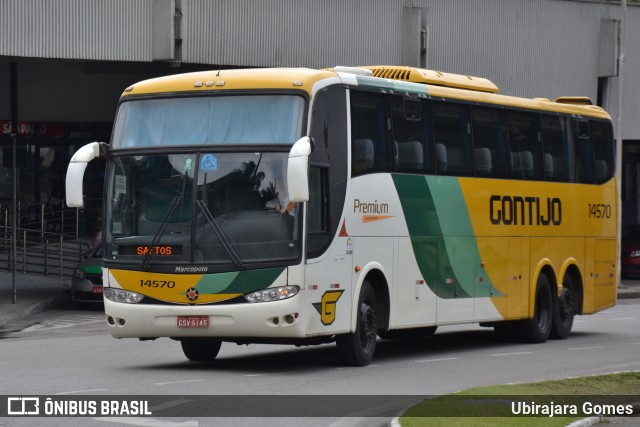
70	353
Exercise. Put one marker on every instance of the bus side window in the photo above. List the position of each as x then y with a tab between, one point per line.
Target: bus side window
370	133
604	150
490	142
451	128
556	148
583	147
329	168
318	233
410	126
524	143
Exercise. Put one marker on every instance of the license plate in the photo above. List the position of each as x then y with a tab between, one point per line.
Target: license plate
193	321
97	289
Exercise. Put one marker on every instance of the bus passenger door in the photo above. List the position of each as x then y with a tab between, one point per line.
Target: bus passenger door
329	267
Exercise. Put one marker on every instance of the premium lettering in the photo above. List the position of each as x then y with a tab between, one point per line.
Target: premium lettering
370	208
525	210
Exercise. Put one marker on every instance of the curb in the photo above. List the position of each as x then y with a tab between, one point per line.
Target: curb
629	295
587	422
30	309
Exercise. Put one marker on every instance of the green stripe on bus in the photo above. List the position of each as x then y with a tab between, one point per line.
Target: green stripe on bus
442	236
238	282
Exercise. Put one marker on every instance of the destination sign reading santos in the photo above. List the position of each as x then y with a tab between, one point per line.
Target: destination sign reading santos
525	210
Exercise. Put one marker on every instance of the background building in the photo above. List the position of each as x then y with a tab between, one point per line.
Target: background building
64	63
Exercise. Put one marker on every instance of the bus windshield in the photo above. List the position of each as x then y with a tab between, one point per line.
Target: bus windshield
198	120
229	209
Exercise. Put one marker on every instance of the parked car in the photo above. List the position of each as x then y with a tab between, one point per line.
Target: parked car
630	264
86	283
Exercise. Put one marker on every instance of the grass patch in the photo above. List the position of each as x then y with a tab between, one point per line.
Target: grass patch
487	406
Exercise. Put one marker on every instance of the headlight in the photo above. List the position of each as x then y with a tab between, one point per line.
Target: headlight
273	294
120	295
635	253
78	274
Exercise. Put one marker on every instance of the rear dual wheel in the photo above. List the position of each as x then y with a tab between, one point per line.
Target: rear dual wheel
538	329
565	309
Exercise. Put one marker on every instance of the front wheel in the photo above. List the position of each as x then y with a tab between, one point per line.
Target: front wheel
201	349
538	329
356	349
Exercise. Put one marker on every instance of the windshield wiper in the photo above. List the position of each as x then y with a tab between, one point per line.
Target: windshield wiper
160	232
220	234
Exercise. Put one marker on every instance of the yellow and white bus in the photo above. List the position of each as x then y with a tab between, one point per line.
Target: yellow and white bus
307	206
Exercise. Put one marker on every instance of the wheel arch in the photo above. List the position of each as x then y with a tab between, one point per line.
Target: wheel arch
375	274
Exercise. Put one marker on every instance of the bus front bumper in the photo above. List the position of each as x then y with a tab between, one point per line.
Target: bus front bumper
276	319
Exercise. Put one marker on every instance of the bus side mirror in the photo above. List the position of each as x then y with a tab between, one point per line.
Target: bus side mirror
75	173
298	170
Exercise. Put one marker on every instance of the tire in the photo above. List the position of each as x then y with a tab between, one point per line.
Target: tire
408	334
356	349
564	309
201	350
538	329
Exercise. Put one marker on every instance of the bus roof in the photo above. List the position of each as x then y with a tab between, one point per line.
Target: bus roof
410	79
476	89
432	77
250	78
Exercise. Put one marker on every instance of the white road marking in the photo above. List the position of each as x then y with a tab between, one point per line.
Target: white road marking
178	382
444	359
510	354
586	348
80	391
147	422
65	322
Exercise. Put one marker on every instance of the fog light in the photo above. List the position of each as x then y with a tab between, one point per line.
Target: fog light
120	295
273	294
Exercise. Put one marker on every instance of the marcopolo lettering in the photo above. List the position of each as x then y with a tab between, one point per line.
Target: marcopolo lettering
525	210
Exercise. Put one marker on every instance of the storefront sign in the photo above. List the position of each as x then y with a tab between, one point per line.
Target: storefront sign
30	129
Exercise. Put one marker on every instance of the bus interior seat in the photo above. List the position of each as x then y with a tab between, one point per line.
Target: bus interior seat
548	165
457	160
409	154
441	157
522	163
483	161
363	155
601	170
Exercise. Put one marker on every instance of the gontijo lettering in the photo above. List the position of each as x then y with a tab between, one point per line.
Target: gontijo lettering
525	210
